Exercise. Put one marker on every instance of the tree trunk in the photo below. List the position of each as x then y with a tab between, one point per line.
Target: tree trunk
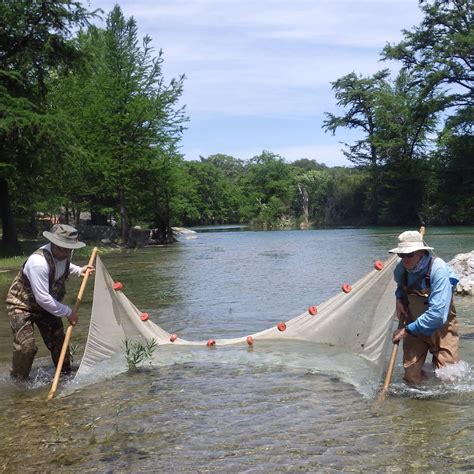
10	242
163	233
305	204
124	219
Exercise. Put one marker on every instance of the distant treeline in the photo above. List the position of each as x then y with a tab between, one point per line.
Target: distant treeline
89	123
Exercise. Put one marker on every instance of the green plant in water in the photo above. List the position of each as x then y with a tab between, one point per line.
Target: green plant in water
137	352
73	348
92	427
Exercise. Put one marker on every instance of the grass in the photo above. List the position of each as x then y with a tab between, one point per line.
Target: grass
14	263
10	263
9	266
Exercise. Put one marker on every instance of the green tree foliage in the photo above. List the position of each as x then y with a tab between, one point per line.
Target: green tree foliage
336	196
128	124
215	191
308	164
439	55
313	187
454	163
35	44
87	122
399	118
231	167
360	96
406	117
440	51
211	193
347	197
143	118
270	190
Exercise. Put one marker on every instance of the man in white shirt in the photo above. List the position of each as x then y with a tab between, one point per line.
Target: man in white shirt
35	295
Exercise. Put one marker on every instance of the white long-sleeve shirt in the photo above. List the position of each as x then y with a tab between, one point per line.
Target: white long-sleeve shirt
37	271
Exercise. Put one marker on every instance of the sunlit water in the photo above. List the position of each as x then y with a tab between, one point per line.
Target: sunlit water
291	407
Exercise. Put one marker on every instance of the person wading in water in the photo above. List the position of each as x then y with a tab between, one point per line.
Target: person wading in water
424	302
34	298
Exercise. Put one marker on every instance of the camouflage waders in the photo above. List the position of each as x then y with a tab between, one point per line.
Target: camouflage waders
24	312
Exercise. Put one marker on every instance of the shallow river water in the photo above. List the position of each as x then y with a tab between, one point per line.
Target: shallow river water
290	407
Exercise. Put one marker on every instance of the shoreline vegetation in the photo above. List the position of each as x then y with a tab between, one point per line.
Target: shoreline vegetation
29	244
86	139
13	263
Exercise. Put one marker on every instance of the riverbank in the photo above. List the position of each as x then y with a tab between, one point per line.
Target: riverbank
10	265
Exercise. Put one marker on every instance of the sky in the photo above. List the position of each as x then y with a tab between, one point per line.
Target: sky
259	72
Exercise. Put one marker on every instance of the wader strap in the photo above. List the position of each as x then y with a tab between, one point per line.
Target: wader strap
414	287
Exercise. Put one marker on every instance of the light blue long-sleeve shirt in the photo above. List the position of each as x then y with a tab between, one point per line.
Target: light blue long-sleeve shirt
443	282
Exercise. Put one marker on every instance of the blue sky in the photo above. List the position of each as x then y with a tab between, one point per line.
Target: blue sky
258	72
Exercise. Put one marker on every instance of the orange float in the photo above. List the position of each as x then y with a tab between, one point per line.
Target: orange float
378	265
250	340
210	343
117	286
312	310
173	337
346	288
281	327
144	317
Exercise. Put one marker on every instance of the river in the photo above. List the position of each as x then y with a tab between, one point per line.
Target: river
238	410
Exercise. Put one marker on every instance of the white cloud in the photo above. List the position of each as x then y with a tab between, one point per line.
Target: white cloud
362	23
267	59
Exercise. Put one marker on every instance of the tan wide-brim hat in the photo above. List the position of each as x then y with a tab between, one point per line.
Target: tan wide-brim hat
64	236
410	241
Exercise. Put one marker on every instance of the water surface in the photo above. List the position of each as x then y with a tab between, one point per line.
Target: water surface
286	408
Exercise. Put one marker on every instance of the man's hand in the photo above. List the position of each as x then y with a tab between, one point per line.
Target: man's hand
84	269
398	335
400	309
72	318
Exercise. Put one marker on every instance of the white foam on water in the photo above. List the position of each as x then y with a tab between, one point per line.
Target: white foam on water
41	377
449	380
454	372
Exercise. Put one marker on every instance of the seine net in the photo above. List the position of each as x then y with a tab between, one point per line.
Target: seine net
357	322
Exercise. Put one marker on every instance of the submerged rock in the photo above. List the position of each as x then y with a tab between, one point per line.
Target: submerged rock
463	265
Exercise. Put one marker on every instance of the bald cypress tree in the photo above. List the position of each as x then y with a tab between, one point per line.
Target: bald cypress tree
35	43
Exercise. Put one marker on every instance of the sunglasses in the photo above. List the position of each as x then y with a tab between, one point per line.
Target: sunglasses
406	255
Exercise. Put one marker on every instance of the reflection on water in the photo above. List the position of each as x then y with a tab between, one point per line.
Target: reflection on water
291	407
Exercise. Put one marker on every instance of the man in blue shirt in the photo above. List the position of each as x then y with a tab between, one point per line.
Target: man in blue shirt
424	302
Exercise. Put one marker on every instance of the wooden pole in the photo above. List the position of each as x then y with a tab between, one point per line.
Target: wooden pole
393	355
67	337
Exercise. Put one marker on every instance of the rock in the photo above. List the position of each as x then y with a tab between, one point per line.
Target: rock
182	230
97	233
188	233
463	265
138	237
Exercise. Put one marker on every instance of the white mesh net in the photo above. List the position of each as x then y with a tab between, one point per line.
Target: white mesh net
357	322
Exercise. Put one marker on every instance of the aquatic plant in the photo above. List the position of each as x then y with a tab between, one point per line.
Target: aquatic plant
73	348
137	352
92	427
